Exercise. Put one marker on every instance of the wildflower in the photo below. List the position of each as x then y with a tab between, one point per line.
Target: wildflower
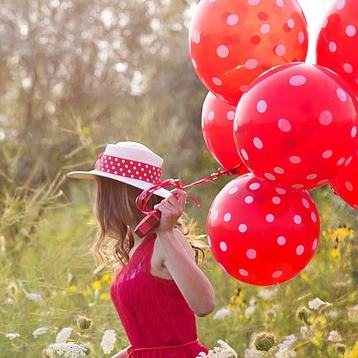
270	316
107	277
71	350
222	313
287	343
305	333
340	348
108	340
64	334
12	336
97	285
40	331
34	297
228	348
303	314
318	304
12	290
268	293
304	276
219	352
264	341
105	296
353	314
252	307
333	314
84	324
250	310
252	353
334	336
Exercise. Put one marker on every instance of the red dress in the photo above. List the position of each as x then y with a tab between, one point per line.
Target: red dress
158	321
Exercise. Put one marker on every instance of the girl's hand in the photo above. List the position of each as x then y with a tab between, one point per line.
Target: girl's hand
171	209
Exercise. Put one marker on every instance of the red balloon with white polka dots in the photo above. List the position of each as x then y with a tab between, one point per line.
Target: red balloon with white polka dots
297	126
217	122
337	42
345	184
231	42
261	234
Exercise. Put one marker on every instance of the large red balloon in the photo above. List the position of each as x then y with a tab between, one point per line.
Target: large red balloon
337	43
261	234
297	126
345	184
231	42
217	122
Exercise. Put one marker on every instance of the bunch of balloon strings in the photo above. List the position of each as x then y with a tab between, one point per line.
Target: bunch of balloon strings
152	219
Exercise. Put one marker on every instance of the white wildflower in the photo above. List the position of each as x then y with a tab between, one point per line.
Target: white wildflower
286	354
222	313
12	335
333	314
227	347
318	304
40	331
108	340
287	343
334	336
71	350
268	293
253	353
305	333
253	301
34	297
353	314
64	334
225	351
250	310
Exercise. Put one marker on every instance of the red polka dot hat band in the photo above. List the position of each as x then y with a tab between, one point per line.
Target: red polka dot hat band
128	162
128	168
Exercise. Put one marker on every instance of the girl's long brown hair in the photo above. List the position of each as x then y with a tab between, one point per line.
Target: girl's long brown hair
117	215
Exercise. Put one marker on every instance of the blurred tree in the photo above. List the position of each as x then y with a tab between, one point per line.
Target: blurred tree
77	74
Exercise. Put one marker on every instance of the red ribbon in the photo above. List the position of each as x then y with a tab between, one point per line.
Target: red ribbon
144	197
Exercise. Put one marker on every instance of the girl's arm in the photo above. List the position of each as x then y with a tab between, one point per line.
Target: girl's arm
179	258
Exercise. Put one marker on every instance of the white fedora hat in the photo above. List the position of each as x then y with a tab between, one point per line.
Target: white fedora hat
128	162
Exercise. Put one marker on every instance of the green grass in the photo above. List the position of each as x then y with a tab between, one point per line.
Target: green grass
47	280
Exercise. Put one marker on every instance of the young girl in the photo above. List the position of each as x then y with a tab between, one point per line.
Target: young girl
159	288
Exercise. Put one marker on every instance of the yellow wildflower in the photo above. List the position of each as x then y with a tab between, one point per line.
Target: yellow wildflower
334	253
354	352
97	285
304	276
107	277
87	292
105	296
73	288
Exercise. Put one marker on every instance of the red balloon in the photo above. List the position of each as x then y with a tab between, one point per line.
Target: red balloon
297	126
262	234
217	122
337	42
345	184
231	42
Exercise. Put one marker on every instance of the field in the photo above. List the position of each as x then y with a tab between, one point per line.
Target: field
49	293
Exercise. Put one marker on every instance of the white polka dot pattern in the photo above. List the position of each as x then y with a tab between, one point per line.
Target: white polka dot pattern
217	121
233	41
128	168
345	184
261	234
294	139
337	37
